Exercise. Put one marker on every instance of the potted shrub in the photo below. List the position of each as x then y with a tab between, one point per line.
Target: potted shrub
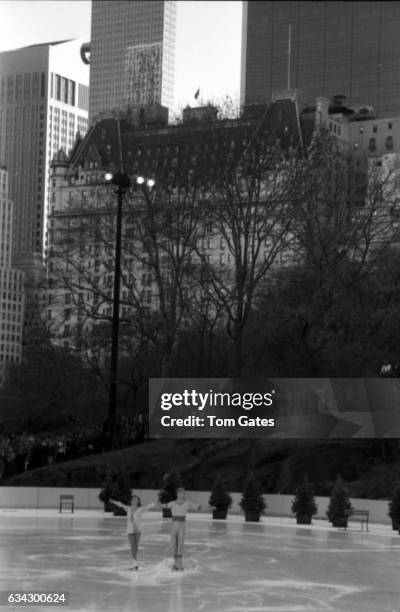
303	505
339	507
171	481
107	491
394	508
252	502
121	491
219	500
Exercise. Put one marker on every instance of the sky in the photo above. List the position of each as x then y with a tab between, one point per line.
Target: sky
208	41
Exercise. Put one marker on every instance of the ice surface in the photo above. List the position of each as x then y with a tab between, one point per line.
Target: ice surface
274	566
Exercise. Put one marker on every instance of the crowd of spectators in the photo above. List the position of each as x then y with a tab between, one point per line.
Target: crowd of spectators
27	451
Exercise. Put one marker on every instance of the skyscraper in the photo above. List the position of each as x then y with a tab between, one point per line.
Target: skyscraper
43	104
323	48
132	54
11	285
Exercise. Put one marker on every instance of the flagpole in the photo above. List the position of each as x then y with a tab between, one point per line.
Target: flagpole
289	53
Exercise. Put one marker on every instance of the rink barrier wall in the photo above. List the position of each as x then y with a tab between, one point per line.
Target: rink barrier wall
87	499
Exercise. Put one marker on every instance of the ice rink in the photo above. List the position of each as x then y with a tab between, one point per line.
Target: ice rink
229	566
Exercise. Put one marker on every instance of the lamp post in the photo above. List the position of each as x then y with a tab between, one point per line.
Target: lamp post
123	183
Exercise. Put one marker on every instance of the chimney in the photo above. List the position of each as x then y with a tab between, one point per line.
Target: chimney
321	111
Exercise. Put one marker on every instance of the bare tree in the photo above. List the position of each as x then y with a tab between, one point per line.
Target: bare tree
159	237
342	205
168	226
250	215
205	314
343	229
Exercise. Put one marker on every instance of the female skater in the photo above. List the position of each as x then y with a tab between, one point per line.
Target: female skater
134	514
179	509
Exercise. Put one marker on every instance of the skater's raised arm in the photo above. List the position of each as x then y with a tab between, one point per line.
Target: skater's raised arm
120	504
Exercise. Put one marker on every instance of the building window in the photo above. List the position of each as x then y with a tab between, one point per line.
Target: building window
389	143
71	93
375	129
390	125
58	87
372	144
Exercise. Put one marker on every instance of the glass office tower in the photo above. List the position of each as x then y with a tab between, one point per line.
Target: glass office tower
132	54
43	104
323	48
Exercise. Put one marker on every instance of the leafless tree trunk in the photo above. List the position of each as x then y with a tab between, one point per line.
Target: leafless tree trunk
249	211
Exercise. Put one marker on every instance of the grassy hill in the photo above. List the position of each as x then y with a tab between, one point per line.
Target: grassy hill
369	467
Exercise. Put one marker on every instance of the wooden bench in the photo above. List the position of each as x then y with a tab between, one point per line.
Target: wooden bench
67	501
362	515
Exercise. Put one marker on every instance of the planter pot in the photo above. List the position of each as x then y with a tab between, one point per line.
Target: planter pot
252	516
340	521
220	514
167	513
119	511
303	519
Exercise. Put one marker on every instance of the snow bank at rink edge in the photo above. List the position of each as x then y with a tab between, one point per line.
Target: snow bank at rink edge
87	499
